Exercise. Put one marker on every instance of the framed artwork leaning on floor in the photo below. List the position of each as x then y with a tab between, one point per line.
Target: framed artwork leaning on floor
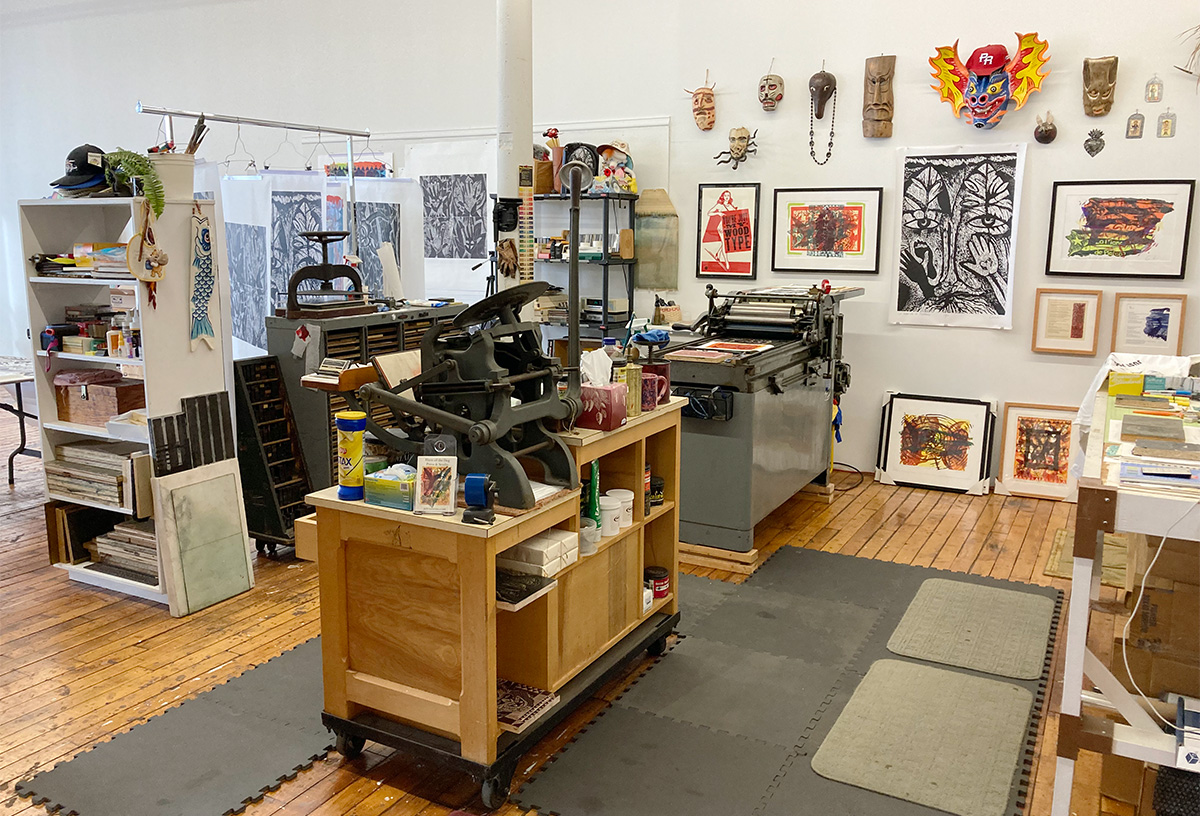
938	442
1035	450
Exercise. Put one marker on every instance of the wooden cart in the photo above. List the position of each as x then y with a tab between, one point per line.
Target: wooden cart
413	643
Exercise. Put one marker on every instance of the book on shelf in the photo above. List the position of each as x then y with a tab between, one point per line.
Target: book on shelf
518	706
70	527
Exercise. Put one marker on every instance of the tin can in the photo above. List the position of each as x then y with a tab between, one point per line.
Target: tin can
659	581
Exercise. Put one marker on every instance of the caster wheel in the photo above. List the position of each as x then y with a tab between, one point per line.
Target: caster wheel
658	648
349	746
271	550
261	546
494	791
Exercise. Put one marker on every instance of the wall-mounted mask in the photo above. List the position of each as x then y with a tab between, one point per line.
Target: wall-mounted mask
878	100
1046	131
770	91
1099	85
704	104
741	147
990	81
821	86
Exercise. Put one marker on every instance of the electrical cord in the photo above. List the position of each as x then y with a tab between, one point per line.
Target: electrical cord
1136	609
861	477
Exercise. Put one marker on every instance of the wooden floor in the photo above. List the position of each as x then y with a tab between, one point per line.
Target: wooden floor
78	665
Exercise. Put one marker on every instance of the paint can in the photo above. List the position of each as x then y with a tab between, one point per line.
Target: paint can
610	516
658	491
350	428
625	497
646	487
659	581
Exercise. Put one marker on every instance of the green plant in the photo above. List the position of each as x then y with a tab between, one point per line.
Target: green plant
125	165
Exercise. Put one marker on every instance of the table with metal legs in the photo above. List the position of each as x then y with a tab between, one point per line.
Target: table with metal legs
16	379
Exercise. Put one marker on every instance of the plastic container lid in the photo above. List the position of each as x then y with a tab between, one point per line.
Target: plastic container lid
620	493
610	503
350	415
610	341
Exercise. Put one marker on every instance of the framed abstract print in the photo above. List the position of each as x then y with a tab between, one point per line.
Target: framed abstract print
727	231
1120	229
937	442
827	230
1148	323
1035	446
1066	321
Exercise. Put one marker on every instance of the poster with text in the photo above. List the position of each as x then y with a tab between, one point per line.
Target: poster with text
959	210
727	231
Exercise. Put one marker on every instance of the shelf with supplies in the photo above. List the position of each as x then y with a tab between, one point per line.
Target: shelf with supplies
612	261
102	469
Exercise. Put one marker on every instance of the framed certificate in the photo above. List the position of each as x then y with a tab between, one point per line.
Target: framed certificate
1067	321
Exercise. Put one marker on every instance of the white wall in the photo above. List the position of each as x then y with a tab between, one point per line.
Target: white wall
399	66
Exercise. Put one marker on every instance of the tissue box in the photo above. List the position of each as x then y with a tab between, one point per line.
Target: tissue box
394	493
603	407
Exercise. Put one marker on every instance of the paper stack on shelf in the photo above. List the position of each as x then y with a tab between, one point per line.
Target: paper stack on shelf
103	260
518	706
131	545
92	471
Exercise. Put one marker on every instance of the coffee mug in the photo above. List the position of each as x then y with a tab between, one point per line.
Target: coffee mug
655	390
663	370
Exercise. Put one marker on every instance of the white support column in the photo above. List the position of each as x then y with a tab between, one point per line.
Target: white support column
514	144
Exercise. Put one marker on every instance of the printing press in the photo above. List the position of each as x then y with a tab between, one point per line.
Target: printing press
760	381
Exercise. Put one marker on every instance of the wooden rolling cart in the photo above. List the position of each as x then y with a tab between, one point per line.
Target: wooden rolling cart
413	643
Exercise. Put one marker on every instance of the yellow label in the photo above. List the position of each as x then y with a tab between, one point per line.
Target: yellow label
1125	383
350	458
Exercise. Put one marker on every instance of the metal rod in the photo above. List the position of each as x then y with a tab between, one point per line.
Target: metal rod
574	385
247	120
352	215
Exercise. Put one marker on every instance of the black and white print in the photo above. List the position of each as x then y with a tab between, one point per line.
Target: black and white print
958	218
248	273
377	222
455	215
291	214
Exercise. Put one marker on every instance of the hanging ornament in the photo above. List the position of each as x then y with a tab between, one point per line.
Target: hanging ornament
1094	142
1135	125
1166	124
1046	131
1154	89
202	279
145	261
822	86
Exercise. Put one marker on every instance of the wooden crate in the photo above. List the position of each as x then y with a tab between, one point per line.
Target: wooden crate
97	404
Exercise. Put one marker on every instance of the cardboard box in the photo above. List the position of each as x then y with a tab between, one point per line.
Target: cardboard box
395	493
1157	674
98	403
1121	779
1168	622
1178	563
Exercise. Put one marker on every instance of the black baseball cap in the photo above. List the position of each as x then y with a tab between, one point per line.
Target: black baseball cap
84	164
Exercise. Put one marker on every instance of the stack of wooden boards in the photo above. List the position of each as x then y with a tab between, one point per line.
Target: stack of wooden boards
96	472
1153	449
131	545
71	527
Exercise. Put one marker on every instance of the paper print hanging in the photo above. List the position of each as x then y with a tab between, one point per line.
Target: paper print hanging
989	81
292	213
958	231
727	231
455	215
203	281
827	230
938	442
377	222
1036	447
246	247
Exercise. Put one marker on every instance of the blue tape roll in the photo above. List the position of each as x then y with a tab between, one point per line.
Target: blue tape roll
475	489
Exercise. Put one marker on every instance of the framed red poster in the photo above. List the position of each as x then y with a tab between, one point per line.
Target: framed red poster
727	231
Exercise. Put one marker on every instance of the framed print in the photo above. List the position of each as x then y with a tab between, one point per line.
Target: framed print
1066	321
727	231
937	442
1120	229
1035	450
827	229
1148	323
959	213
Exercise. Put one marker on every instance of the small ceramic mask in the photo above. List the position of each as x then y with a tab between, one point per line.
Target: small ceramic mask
741	147
770	91
1046	130
821	86
878	100
704	105
1099	85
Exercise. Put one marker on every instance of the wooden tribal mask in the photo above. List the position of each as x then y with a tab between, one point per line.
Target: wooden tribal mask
878	100
704	105
1099	84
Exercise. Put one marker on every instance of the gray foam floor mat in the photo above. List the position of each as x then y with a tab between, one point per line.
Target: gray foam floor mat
989	629
211	755
630	762
929	735
697	598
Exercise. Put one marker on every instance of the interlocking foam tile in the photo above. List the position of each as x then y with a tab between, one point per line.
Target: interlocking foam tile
834	577
815	630
698	597
729	688
629	762
208	756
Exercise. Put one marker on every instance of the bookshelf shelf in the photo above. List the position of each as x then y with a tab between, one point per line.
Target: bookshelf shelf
91	358
88	503
84	430
50	280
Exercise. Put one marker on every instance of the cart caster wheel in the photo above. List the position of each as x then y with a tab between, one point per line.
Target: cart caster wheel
494	791
261	546
349	746
271	549
658	648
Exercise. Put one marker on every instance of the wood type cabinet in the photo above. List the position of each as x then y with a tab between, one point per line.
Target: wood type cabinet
412	640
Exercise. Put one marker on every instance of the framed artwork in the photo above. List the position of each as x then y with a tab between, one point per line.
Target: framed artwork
938	442
1148	323
959	211
1035	446
1066	321
827	229
1120	229
727	231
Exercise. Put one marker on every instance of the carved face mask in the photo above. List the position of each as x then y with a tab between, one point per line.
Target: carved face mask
878	101
770	91
739	140
821	86
1099	85
704	108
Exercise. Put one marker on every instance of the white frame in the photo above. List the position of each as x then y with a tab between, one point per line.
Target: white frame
1135	306
1087	345
1008	482
974	478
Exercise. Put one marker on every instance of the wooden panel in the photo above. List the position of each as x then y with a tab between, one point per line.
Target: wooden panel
477	715
402	612
420	540
430	711
527	642
592	604
334	659
306	537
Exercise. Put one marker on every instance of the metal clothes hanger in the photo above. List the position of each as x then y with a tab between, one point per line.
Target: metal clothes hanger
251	164
287	140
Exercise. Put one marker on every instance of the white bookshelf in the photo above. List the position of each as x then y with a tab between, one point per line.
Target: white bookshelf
169	369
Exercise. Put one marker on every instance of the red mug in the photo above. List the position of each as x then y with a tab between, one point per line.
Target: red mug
654	388
662	370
